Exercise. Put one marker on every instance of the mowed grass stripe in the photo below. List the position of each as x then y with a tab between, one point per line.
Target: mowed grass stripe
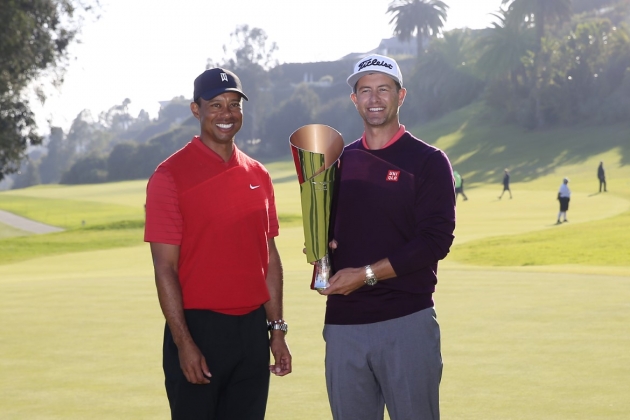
602	242
68	213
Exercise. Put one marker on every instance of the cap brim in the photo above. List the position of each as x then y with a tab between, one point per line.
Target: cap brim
353	79
216	92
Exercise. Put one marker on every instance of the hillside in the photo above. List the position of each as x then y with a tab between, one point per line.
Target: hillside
480	147
489	231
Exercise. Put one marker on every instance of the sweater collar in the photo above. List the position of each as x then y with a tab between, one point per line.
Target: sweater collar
393	140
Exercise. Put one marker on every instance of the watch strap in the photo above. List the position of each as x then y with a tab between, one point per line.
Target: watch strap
370	277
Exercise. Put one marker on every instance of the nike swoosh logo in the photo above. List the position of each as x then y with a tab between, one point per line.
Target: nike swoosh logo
253	187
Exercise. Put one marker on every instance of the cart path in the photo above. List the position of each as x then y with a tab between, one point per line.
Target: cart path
25	224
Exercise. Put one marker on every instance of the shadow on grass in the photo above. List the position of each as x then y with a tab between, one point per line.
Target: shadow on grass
486	147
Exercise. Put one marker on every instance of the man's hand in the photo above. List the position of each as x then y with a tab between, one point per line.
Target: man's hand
281	354
193	364
345	281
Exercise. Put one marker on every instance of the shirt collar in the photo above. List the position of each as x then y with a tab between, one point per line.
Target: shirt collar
212	154
393	140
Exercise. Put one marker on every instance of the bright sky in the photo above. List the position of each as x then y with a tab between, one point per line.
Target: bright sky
151	50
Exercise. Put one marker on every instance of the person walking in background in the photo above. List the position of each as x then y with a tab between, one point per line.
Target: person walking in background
506	184
211	221
564	196
601	175
459	185
381	332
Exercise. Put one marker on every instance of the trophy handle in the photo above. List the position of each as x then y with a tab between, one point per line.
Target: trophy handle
321	273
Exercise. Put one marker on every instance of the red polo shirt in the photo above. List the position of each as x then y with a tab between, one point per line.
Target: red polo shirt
221	215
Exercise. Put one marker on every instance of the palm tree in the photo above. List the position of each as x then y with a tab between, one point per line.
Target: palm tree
422	18
540	12
502	48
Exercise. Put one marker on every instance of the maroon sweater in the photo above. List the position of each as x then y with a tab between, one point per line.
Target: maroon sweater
398	203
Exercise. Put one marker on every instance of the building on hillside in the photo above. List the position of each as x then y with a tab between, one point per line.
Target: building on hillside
392	47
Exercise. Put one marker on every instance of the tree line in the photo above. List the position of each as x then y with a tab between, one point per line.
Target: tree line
542	63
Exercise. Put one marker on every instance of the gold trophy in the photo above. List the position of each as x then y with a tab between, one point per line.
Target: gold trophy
316	149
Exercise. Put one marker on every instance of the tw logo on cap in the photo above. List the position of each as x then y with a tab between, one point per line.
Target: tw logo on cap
392	176
224	77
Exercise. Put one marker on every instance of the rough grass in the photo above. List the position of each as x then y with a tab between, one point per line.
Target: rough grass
7	231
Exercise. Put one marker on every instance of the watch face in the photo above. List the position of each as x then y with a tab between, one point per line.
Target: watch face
371	281
370	278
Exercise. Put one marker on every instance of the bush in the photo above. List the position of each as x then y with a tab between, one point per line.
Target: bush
90	169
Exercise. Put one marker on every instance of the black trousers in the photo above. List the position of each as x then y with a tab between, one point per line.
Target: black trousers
236	349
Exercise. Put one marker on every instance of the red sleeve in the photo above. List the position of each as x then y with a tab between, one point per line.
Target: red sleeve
273	215
163	218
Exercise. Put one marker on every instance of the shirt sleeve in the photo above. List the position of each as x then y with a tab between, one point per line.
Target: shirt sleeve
164	223
274	224
434	218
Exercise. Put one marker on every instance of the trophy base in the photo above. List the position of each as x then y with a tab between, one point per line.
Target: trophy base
321	274
319	286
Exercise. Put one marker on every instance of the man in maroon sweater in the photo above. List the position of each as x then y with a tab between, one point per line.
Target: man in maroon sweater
393	220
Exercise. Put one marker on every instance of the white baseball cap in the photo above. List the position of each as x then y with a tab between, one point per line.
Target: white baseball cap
375	63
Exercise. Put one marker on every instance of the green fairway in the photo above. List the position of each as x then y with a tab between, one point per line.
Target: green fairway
535	316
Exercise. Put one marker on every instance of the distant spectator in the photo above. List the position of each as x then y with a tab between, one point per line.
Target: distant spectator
506	184
459	185
601	175
564	196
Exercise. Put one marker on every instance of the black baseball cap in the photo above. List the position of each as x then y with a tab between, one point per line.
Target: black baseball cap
216	81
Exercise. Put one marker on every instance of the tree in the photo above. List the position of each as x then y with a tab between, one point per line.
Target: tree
300	109
443	79
34	38
422	18
250	46
89	169
504	49
541	13
250	55
121	164
28	175
58	158
117	119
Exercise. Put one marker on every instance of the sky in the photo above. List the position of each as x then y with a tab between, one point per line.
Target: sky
151	51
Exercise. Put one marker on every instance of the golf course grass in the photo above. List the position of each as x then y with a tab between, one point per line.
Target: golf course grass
535	316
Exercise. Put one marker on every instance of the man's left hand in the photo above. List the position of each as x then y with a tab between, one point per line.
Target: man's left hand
281	354
345	281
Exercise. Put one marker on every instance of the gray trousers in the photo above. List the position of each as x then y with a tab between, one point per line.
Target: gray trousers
395	363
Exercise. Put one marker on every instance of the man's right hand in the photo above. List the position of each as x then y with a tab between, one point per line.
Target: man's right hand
193	364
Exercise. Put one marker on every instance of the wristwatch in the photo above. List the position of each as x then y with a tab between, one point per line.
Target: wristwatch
370	278
278	325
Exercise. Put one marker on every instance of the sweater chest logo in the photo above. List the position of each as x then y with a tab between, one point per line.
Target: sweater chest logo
392	176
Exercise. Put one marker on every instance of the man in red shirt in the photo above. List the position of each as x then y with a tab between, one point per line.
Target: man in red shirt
211	222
